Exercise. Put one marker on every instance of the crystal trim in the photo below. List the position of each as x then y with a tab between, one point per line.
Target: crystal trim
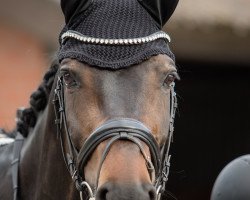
116	41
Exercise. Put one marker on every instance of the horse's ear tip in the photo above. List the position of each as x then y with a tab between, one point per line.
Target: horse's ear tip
172	6
72	8
160	10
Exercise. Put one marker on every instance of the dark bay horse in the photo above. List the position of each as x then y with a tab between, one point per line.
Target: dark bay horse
86	103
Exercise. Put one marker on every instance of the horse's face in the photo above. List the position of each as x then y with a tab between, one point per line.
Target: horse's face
94	96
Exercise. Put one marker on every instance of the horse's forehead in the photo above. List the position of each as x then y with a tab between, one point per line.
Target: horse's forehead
161	61
158	61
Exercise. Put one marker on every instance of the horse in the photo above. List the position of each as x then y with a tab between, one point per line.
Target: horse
93	133
100	124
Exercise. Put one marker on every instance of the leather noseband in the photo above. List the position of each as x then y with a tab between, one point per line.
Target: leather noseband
121	129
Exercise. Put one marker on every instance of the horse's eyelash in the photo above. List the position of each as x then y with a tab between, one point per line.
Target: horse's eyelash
64	71
175	74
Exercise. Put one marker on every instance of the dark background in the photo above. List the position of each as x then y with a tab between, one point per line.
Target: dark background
212	125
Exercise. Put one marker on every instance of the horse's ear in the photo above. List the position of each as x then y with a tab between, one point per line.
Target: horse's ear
72	8
160	10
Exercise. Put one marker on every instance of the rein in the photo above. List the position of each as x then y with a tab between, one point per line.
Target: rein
123	129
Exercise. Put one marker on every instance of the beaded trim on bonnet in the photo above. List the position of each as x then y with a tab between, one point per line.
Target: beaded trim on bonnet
113	34
103	41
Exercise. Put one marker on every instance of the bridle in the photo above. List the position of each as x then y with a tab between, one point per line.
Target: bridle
118	129
121	129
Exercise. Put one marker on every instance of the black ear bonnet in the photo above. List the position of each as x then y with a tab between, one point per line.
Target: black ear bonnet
114	33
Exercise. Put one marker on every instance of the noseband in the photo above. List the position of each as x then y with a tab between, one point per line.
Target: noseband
113	130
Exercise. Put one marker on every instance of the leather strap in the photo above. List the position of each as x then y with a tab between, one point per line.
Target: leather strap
18	143
71	156
133	129
126	136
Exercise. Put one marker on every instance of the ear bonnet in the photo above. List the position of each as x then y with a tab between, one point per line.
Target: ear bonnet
114	33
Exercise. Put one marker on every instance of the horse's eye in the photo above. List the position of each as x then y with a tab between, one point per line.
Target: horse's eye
169	80
68	79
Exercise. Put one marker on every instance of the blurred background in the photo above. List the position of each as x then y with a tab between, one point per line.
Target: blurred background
211	41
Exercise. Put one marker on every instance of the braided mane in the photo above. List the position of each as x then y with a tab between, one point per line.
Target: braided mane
38	101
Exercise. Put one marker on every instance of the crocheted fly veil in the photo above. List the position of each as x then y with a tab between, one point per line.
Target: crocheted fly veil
115	33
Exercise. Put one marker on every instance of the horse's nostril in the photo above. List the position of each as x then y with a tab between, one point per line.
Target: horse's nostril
110	191
102	192
152	195
150	189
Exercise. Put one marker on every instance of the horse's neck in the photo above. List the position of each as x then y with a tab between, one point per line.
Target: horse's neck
43	174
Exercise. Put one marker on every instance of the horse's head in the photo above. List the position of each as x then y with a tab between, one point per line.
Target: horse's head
117	121
113	104
116	113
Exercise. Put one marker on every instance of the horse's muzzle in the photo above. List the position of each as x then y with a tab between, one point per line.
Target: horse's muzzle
122	129
110	191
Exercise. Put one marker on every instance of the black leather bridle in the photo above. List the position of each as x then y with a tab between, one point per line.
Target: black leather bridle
117	129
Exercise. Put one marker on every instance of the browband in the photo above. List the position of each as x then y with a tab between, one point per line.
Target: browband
102	41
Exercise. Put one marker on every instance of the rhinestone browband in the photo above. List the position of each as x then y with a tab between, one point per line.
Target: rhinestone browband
129	41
